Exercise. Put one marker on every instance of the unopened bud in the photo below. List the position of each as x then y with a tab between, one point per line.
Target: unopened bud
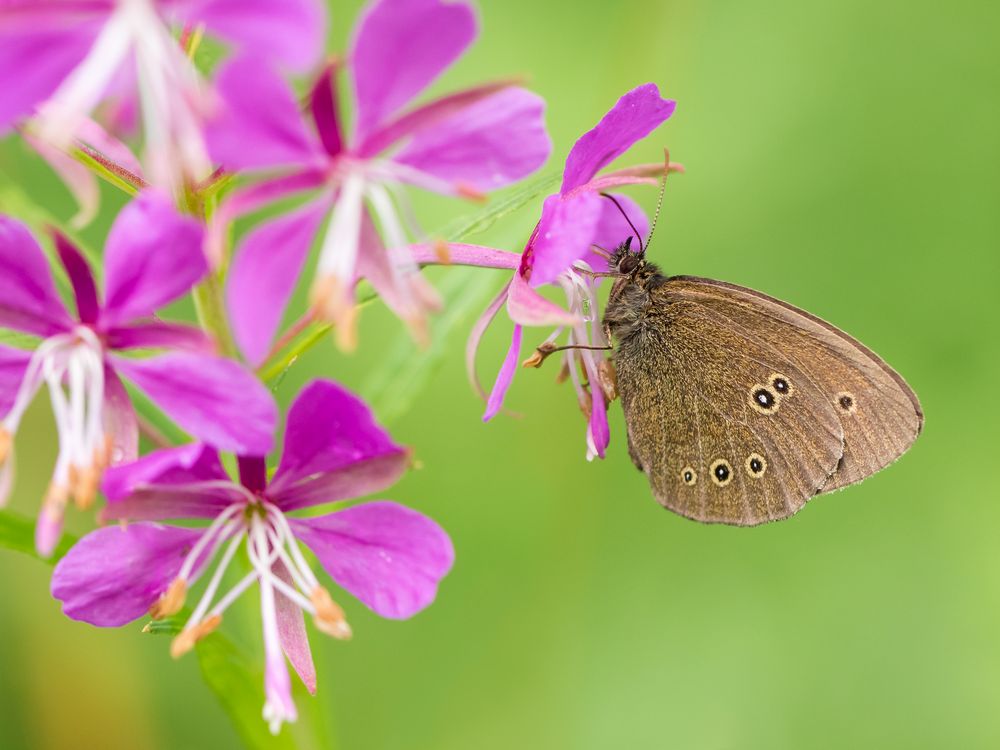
187	638
329	616
170	601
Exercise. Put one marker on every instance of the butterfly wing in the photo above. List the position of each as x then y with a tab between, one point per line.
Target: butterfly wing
741	407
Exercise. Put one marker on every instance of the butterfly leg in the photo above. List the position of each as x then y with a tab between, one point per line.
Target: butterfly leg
543	351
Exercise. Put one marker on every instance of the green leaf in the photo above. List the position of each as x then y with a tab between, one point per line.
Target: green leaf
18	534
404	372
238	684
465	226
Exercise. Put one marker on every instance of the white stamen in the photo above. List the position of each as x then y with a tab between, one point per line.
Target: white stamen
204	539
82	89
279	519
213	584
339	253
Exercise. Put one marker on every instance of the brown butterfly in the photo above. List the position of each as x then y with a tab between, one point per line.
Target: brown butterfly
740	407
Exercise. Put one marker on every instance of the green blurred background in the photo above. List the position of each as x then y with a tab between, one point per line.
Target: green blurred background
842	156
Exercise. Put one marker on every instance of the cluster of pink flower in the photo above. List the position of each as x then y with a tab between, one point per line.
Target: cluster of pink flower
83	79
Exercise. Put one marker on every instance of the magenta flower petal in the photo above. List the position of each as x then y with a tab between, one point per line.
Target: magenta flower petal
487	145
529	308
425	116
214	399
80	278
323	106
13	363
505	376
119	420
246	200
261	124
153	256
292	631
113	575
28	298
390	557
264	273
612	228
600	433
424	36
334	450
169	483
461	254
291	32
635	115
565	233
476	336
53	53
159	335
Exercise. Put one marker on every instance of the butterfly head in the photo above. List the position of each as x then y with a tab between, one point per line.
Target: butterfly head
625	261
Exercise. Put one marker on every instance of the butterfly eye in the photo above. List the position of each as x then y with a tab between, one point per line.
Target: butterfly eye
722	472
688	476
756	465
781	385
846	402
763	399
628	264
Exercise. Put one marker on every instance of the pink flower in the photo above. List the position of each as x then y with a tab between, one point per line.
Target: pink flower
62	58
463	144
390	557
561	251
153	256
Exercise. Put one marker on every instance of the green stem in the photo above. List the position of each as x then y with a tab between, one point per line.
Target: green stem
211	311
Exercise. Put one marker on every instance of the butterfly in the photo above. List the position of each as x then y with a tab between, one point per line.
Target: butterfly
741	407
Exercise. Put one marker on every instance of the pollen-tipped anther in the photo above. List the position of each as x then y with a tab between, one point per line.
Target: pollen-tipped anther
607	379
470	192
187	638
329	616
6	443
332	302
541	352
170	601
442	252
85	483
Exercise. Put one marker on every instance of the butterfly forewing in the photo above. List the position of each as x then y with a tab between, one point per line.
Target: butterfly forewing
880	414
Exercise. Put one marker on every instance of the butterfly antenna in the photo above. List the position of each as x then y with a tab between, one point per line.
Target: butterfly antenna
659	201
622	211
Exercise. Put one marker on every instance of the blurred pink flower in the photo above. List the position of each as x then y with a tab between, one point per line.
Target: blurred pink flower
60	59
153	256
390	557
462	145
